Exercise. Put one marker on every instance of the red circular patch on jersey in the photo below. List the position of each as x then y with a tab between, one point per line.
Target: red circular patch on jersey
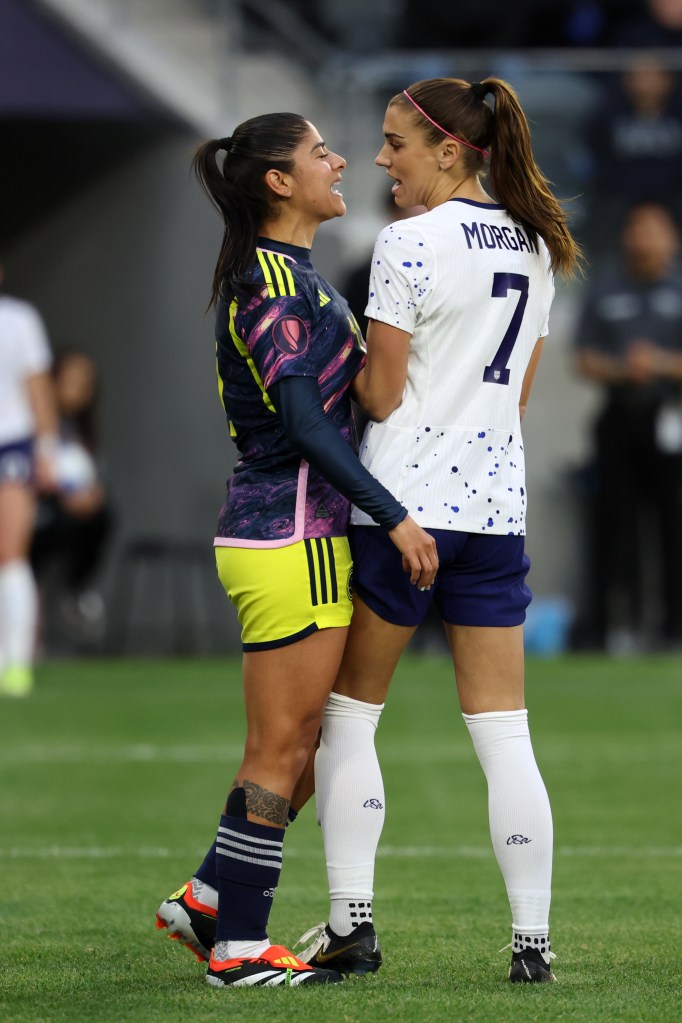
290	335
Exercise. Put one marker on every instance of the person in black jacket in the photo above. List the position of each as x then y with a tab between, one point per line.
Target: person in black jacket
629	342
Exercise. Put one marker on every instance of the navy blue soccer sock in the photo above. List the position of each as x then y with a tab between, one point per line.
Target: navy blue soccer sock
208	873
248	865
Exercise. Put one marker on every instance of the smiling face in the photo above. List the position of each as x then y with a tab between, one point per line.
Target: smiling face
409	160
315	180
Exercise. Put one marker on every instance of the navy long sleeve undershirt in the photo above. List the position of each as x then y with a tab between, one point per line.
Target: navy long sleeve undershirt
299	404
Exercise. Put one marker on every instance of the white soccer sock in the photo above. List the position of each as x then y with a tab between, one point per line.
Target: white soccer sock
204	893
519	813
349	793
18	613
224	950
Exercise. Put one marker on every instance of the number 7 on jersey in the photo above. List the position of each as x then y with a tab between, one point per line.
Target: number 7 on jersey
497	372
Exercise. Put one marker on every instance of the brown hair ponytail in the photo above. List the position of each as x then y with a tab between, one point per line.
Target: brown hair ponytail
452	106
520	185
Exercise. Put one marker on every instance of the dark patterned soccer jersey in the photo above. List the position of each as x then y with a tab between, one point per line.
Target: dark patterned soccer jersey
296	325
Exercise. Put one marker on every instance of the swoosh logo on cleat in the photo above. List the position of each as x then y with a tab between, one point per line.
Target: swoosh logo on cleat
323	957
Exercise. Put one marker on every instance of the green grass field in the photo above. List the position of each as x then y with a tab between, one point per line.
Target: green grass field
113	775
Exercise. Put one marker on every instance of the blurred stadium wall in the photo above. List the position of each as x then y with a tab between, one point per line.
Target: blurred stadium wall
101	104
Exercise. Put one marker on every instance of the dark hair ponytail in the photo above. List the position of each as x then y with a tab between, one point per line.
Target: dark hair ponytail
460	109
237	187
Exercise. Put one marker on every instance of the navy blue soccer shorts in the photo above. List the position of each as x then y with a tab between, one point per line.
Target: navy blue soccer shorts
481	579
16	462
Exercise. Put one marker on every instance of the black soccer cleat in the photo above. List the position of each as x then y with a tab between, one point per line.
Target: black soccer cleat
529	967
357	952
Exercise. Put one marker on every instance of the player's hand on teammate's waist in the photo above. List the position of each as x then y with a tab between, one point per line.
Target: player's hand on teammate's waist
418	548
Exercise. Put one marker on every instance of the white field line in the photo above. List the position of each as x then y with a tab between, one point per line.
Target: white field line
139	753
197	753
386	852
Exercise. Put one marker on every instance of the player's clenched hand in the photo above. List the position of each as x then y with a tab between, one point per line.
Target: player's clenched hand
418	549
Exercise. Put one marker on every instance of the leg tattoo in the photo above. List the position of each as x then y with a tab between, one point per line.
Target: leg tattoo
262	803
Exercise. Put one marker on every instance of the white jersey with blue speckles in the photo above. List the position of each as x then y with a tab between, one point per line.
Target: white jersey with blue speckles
24	351
474	290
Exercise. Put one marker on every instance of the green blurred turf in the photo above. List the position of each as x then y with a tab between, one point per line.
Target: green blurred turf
112	777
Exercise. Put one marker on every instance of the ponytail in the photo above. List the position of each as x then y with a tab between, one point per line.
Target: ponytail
455	108
519	184
236	187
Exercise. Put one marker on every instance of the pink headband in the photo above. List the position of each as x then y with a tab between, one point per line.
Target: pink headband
463	142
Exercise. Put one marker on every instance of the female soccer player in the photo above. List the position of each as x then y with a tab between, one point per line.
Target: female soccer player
73	525
458	306
28	442
287	352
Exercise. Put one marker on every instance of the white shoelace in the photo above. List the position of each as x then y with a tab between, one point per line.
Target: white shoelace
312	935
550	955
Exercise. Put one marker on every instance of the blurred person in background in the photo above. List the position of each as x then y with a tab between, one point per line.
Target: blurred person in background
629	343
74	523
28	443
634	142
655	24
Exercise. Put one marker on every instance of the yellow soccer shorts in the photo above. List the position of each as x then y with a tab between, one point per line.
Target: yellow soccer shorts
284	594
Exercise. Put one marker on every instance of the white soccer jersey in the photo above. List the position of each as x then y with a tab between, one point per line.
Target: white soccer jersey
474	291
24	351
